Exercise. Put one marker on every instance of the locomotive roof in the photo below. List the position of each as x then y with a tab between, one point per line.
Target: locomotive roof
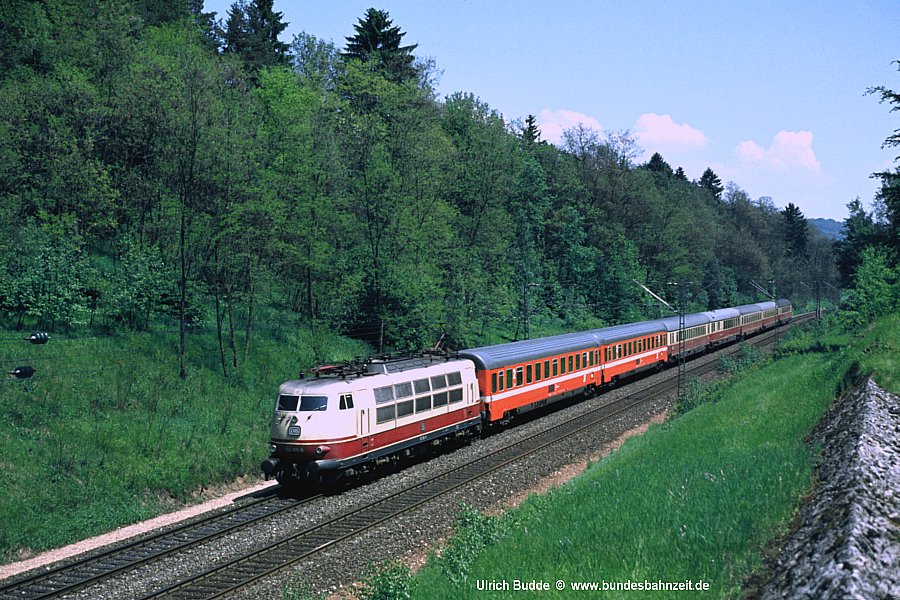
500	355
783	302
767	305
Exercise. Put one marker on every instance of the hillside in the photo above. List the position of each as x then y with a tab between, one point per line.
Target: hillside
833	230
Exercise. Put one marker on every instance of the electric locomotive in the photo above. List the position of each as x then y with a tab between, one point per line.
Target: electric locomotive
344	420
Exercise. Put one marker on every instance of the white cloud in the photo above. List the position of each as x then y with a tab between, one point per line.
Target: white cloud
660	130
554	122
789	150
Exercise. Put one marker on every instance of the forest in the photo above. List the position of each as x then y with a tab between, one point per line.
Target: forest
163	167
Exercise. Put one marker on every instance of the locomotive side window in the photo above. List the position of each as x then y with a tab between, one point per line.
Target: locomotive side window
421	386
454	378
288	402
438	382
440	399
423	403
456	395
403	390
383	394
404	408
385	414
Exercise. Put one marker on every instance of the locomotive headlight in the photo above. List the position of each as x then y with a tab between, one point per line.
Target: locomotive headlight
322	450
273	449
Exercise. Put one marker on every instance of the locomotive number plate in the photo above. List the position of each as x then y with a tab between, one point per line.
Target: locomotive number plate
294	430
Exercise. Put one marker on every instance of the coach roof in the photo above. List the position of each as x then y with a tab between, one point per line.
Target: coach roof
501	355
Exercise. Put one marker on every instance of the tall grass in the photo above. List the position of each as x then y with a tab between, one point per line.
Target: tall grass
106	433
696	498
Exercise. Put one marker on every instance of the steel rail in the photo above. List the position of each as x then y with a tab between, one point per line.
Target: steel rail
117	559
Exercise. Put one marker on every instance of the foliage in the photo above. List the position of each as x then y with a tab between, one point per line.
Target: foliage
389	581
876	287
473	532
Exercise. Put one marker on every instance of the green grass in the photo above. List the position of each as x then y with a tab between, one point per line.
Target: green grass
696	498
106	433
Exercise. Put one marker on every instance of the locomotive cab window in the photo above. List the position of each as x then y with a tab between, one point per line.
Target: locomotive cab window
288	403
313	403
346	401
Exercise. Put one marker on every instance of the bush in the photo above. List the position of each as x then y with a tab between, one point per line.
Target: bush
389	581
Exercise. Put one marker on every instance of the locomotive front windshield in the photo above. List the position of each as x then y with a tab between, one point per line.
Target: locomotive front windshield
302	403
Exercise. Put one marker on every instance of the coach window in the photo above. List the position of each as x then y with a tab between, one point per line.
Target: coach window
509	378
562	365
571	363
519	372
499	380
493	382
577	362
555	367
537	371
528	373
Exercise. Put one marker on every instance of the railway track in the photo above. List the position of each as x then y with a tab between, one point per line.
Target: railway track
244	570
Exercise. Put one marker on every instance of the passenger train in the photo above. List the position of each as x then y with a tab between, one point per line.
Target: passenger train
343	420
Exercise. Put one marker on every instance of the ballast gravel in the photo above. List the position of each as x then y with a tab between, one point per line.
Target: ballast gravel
847	542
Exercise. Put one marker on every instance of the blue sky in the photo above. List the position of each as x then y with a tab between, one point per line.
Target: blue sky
770	95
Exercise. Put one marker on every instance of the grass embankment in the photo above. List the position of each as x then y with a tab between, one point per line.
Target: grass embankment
106	433
696	498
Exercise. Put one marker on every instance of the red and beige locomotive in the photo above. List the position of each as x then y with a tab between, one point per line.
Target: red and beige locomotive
345	419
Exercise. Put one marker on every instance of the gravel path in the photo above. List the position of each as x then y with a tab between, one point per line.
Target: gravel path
847	543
